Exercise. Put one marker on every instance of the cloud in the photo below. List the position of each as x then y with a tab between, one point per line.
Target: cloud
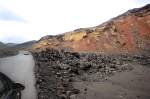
143	1
17	39
8	15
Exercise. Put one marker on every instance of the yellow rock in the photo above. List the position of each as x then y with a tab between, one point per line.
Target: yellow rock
75	36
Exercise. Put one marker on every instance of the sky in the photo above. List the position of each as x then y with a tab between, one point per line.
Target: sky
25	20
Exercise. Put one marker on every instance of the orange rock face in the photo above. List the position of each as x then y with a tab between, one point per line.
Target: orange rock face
129	32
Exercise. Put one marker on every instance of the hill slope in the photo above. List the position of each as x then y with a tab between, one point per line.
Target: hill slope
24	45
10	49
129	32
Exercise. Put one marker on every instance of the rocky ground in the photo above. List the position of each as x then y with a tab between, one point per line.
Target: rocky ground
123	85
70	75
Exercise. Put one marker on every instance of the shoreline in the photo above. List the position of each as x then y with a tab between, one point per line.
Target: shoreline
4	54
19	69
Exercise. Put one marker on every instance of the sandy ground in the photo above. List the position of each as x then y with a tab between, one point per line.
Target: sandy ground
20	69
133	84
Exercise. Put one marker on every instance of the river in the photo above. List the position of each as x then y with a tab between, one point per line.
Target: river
20	69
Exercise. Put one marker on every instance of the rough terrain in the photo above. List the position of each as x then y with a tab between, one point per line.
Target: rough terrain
62	75
124	85
109	61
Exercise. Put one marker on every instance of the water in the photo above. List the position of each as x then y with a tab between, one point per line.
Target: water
20	69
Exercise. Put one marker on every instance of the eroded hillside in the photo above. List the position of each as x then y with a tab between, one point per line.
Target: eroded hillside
129	32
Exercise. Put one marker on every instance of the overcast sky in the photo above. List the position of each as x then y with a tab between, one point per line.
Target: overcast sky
24	20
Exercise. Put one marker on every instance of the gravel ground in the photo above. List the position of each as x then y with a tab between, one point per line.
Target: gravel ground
58	72
132	84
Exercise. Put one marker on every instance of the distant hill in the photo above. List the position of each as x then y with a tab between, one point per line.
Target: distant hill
10	44
5	50
129	32
2	45
10	49
24	45
6	45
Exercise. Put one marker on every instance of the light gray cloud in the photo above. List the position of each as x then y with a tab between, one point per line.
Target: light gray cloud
8	15
15	39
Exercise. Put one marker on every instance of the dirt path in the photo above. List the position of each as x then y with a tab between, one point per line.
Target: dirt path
20	69
133	84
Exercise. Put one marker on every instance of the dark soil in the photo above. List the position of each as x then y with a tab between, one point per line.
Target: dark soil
57	71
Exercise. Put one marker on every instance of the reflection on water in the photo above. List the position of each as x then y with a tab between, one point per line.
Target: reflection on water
20	69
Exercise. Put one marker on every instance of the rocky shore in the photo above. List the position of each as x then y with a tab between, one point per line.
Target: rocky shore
57	70
8	52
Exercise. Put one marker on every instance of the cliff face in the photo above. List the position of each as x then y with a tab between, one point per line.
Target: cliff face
129	32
